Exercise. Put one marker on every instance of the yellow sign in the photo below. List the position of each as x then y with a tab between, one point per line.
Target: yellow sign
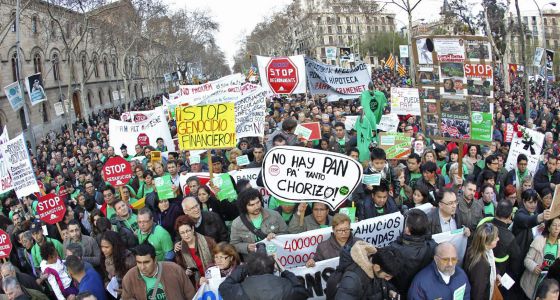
206	126
155	156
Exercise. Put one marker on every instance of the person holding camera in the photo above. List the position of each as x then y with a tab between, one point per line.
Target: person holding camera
254	223
255	280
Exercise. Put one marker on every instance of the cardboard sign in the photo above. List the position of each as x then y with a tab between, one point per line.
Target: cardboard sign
163	187
315	128
251	174
295	174
206	126
555	205
315	278
243	160
222	90
51	209
405	101
14	95
117	171
5	245
396	144
19	166
371	179
530	144
35	90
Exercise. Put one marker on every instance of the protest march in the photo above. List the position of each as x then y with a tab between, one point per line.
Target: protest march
301	180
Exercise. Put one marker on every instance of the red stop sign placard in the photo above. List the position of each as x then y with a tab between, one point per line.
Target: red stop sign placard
51	209
143	140
117	171
5	244
282	75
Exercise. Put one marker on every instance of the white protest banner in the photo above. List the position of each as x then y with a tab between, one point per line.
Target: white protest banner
349	122
530	143
125	117
538	56
251	174
403	49
14	95
405	101
450	49
225	89
294	250
336	82
315	278
455	237
5	178
296	174
250	111
35	90
20	169
389	123
283	75
148	131
174	96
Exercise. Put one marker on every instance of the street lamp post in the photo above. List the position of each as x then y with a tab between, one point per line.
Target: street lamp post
544	47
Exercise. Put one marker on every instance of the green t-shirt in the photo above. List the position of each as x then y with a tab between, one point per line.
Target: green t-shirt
160	239
150	282
489	209
36	251
550	252
287	216
413	178
110	212
257	223
132	223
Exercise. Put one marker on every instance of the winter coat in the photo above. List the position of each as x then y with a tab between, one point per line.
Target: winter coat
428	284
309	223
175	283
213	226
542	179
358	280
418	251
331	248
241	236
534	258
366	208
262	287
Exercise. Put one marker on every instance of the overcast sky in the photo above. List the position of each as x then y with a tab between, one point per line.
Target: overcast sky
238	18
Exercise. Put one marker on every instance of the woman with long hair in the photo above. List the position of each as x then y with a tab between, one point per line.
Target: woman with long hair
116	260
471	158
194	251
480	264
544	250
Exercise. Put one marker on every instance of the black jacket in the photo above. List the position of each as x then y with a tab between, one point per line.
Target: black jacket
213	226
432	189
419	252
507	247
267	286
542	181
523	223
366	208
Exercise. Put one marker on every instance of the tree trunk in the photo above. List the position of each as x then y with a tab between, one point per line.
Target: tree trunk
524	61
67	115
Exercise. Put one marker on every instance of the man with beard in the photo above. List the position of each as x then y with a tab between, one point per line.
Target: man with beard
442	279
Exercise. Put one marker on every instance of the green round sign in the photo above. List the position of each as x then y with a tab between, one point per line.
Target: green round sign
344	190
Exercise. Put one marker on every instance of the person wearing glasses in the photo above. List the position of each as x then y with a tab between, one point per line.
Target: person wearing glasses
492	164
207	223
416	245
480	263
340	237
194	251
443	218
319	218
548	290
226	259
544	250
442	279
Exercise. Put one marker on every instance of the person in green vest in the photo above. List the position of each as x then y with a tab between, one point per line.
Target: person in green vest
37	234
155	235
364	135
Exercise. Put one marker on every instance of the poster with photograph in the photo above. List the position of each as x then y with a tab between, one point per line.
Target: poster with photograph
479	50
480	104
429	106
427	76
424	55
452	86
538	56
480	88
35	90
449	49
455	126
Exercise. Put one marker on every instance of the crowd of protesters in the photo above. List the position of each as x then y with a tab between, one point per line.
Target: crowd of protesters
142	247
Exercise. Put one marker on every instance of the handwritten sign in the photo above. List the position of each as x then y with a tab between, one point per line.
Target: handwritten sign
19	166
396	144
296	174
405	101
303	131
250	113
206	126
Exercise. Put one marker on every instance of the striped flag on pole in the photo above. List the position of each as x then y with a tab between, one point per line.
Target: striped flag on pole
390	62
401	69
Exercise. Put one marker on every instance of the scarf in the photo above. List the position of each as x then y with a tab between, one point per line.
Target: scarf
492	262
202	250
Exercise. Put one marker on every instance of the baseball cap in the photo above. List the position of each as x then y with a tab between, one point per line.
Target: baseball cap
36	226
